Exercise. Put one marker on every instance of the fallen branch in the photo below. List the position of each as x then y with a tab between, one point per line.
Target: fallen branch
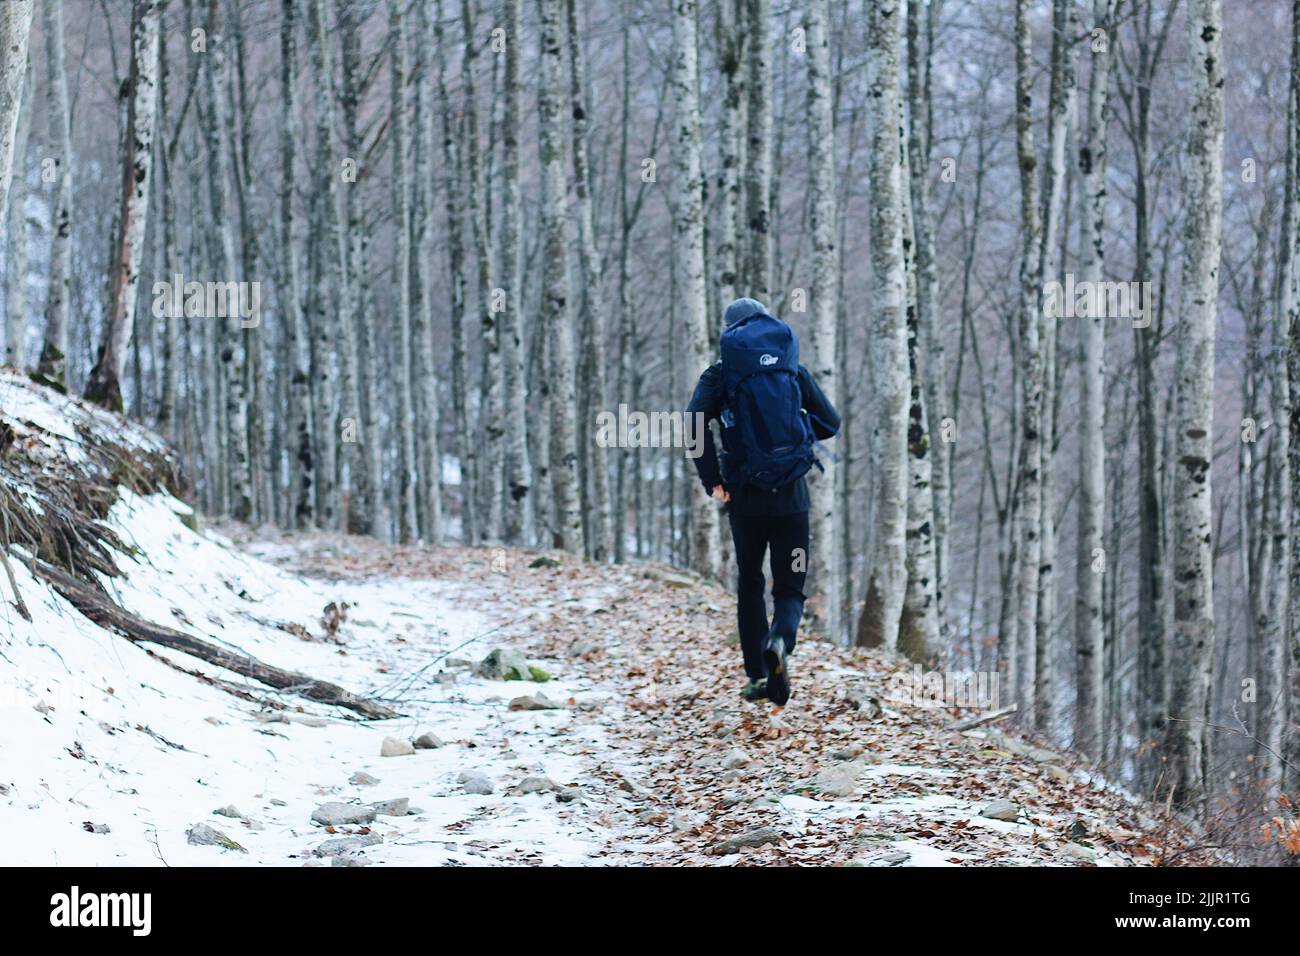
100	609
966	723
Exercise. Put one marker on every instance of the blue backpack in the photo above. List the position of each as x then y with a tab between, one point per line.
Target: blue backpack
766	436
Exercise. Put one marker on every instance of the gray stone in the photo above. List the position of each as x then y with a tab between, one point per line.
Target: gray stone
363	779
350	861
736	759
203	835
344	844
751	838
342	814
392	747
1080	852
536	785
839	780
399	807
504	663
428	741
229	811
475	782
1001	810
538	701
568	795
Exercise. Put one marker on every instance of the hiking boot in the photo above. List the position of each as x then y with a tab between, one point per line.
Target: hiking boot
778	671
755	690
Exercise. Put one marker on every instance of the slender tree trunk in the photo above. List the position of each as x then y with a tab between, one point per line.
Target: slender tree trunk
140	92
1089	638
731	36
1028	513
220	178
301	461
931	341
887	579
487	484
407	527
466	455
1192	646
16	264
592	300
823	360
518	478
15	29
326	282
918	635
758	164
556	305
688	247
426	369
51	368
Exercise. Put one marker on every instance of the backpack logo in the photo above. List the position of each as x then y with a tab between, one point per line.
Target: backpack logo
767	359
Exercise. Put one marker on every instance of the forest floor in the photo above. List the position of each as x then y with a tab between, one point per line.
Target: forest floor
655	759
627	743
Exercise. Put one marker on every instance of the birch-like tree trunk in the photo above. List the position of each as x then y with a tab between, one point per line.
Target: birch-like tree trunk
357	350
140	92
823	322
407	527
51	367
731	36
15	29
688	247
466	455
918	633
887	571
487	486
16	263
220	181
931	341
758	162
426	369
1028	517
1192	645
517	468
301	470
326	283
600	544
1089	636
556	304
1061	106
1292	662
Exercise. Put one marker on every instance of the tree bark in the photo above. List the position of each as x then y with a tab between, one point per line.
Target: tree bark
140	93
887	581
1089	638
1192	644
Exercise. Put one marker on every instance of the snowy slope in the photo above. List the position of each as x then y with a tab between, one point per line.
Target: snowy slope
100	732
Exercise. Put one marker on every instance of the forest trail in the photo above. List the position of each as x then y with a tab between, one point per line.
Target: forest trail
145	736
649	755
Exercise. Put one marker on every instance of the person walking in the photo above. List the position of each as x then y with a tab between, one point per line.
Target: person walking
771	413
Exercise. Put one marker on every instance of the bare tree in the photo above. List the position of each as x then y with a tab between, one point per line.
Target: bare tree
556	305
140	94
1089	637
1192	643
883	606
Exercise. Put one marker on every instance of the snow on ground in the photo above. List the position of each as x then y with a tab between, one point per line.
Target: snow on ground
114	753
100	732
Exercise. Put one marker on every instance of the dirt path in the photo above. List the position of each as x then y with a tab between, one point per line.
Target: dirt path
671	767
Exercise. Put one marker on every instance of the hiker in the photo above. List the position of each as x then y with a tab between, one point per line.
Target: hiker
771	411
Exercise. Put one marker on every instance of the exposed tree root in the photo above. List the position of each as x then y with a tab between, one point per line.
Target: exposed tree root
99	608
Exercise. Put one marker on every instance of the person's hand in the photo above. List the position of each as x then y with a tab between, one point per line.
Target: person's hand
722	494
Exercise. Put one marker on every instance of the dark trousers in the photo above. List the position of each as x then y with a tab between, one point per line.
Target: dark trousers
786	537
